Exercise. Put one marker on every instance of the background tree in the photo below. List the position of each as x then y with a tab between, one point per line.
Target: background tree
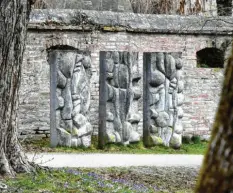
14	15
182	7
224	7
153	6
217	172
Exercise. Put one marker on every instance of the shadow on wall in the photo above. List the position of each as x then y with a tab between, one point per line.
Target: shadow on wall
210	58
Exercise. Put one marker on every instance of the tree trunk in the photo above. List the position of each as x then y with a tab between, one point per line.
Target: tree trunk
217	171
13	19
224	7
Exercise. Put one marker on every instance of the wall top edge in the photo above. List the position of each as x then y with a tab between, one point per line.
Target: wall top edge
86	20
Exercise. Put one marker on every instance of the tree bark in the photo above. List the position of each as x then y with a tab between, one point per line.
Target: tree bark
224	7
217	171
14	15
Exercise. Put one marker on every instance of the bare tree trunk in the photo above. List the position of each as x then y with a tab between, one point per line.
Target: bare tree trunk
13	18
217	172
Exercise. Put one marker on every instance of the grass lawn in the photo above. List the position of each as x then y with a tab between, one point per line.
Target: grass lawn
99	180
65	180
193	147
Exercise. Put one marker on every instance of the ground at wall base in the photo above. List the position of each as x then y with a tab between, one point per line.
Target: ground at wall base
194	146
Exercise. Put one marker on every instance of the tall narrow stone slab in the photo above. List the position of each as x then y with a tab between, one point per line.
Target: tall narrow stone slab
70	98
163	98
119	95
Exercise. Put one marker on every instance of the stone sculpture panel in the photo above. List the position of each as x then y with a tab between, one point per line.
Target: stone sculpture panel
72	82
121	94
163	98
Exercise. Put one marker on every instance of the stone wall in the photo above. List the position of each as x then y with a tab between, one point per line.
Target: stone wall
201	85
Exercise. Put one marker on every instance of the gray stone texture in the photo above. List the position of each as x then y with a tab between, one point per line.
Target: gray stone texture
130	22
73	98
54	28
68	104
163	111
121	105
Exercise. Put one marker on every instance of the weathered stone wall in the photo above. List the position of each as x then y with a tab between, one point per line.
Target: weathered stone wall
202	85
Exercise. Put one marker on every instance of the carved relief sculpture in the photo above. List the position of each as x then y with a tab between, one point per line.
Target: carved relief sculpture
121	97
73	73
163	99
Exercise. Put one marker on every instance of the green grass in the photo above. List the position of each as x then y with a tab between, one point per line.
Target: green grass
193	147
65	181
86	180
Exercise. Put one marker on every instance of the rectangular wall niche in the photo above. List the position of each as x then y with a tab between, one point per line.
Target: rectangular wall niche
163	97
119	97
70	98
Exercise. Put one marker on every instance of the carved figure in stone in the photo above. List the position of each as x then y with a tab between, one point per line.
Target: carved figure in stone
123	93
73	98
165	95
